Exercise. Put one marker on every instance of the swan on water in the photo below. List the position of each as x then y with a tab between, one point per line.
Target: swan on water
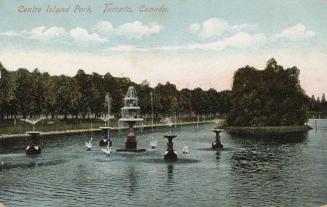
185	150
88	144
153	143
35	147
107	151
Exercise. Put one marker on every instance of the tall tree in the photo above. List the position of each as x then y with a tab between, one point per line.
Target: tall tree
24	92
6	93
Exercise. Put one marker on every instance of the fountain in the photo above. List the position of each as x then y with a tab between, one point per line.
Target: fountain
170	154
153	143
197	123
34	148
217	143
105	141
105	137
130	115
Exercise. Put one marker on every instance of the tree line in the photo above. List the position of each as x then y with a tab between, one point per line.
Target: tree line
318	104
31	94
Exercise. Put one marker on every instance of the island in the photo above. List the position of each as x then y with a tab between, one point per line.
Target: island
267	100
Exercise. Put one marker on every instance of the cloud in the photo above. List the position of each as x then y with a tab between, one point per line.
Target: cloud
295	32
104	27
194	28
240	40
39	33
134	29
242	27
126	48
45	34
137	29
215	27
100	32
10	34
82	35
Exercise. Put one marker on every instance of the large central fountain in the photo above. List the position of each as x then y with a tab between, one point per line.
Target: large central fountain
131	115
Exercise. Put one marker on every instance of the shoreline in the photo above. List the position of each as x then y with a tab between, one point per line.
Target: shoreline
79	131
268	129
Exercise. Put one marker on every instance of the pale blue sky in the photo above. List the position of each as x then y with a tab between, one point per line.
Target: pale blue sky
205	40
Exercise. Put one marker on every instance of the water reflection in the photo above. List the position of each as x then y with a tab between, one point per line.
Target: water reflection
28	164
170	174
132	177
261	169
218	153
271	138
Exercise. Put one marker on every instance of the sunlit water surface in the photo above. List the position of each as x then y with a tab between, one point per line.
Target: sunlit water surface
260	170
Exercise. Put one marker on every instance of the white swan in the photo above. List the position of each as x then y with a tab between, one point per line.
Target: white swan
153	143
107	151
88	144
185	150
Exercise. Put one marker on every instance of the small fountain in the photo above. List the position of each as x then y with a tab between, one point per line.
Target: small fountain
186	149
153	142
217	143
88	144
170	154
105	141
34	148
130	115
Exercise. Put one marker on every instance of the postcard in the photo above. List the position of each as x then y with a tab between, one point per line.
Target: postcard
163	103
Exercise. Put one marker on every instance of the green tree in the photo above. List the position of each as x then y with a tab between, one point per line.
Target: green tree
24	91
198	102
6	93
270	97
68	96
185	102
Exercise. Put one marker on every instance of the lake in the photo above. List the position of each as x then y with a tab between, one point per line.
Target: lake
253	170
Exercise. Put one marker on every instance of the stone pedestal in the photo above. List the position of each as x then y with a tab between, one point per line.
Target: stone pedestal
105	137
131	143
217	143
34	148
170	154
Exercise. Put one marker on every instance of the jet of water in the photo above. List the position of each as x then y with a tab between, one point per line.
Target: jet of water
168	121
33	121
107	102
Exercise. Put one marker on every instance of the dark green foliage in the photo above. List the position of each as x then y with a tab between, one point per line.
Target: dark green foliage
7	100
31	94
270	97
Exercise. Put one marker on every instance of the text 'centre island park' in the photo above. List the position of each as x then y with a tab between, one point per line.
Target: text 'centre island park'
108	8
216	103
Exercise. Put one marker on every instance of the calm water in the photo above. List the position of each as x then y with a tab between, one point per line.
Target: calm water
251	171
